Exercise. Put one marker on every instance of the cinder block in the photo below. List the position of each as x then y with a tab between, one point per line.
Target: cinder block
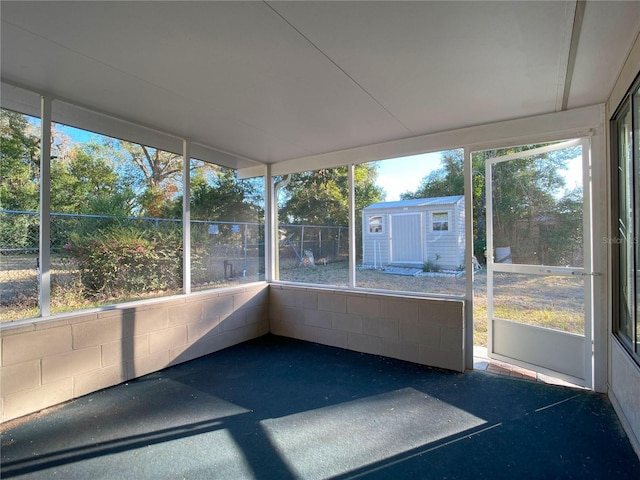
451	339
99	379
216	307
401	351
35	344
317	318
362	305
303	332
399	309
196	331
236	336
281	296
251	299
381	327
190	312
97	332
283	328
149	364
448	313
274	312
332	302
255	315
364	343
125	350
69	364
438	358
423	333
234	320
180	354
306	299
292	314
346	323
141	321
167	339
332	338
19	376
29	401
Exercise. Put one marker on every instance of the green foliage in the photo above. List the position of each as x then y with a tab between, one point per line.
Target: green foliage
19	163
125	261
321	197
524	192
226	198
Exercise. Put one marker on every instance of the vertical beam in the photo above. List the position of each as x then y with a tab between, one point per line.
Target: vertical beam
44	258
352	224
271	229
588	262
186	216
468	260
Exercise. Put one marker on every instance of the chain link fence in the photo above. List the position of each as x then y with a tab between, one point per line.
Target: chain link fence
222	254
304	244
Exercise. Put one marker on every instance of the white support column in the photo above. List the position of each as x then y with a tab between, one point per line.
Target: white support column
186	217
352	223
468	259
271	228
44	258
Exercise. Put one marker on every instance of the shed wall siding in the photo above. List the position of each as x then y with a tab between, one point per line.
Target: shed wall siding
445	248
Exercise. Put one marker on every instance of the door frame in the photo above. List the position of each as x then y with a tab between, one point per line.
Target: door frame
576	348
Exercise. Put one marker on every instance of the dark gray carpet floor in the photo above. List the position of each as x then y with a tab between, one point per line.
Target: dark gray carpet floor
276	408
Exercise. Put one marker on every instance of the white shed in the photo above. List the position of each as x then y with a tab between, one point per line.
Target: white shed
414	232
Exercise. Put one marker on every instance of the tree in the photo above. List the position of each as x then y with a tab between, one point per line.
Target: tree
321	197
83	181
19	163
155	175
223	198
523	191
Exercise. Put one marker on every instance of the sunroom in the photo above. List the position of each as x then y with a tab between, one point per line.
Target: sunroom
183	177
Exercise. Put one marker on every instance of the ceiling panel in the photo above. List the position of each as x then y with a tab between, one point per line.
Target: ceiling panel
443	65
608	31
276	81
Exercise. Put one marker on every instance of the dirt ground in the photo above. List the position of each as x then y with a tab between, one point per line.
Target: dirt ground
553	302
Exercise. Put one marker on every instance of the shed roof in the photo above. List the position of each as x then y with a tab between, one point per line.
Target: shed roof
417	202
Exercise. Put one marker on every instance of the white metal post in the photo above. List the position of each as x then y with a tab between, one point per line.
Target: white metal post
468	259
186	216
271	228
588	262
44	258
352	223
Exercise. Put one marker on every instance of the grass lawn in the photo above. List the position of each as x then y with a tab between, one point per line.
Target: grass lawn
552	302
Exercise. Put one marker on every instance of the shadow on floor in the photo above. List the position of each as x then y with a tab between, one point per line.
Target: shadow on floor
276	408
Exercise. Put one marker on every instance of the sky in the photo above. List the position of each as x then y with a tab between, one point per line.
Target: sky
393	177
396	176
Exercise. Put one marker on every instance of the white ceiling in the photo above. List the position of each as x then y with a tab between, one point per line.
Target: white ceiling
272	81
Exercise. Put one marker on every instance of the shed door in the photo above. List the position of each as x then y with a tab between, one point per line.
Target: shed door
405	234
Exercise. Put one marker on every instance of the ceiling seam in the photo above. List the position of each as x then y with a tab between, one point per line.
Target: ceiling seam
335	64
573	50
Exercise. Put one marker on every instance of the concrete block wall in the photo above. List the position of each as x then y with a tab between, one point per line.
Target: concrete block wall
425	331
46	362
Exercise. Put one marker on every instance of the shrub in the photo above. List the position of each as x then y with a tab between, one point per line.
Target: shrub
123	261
